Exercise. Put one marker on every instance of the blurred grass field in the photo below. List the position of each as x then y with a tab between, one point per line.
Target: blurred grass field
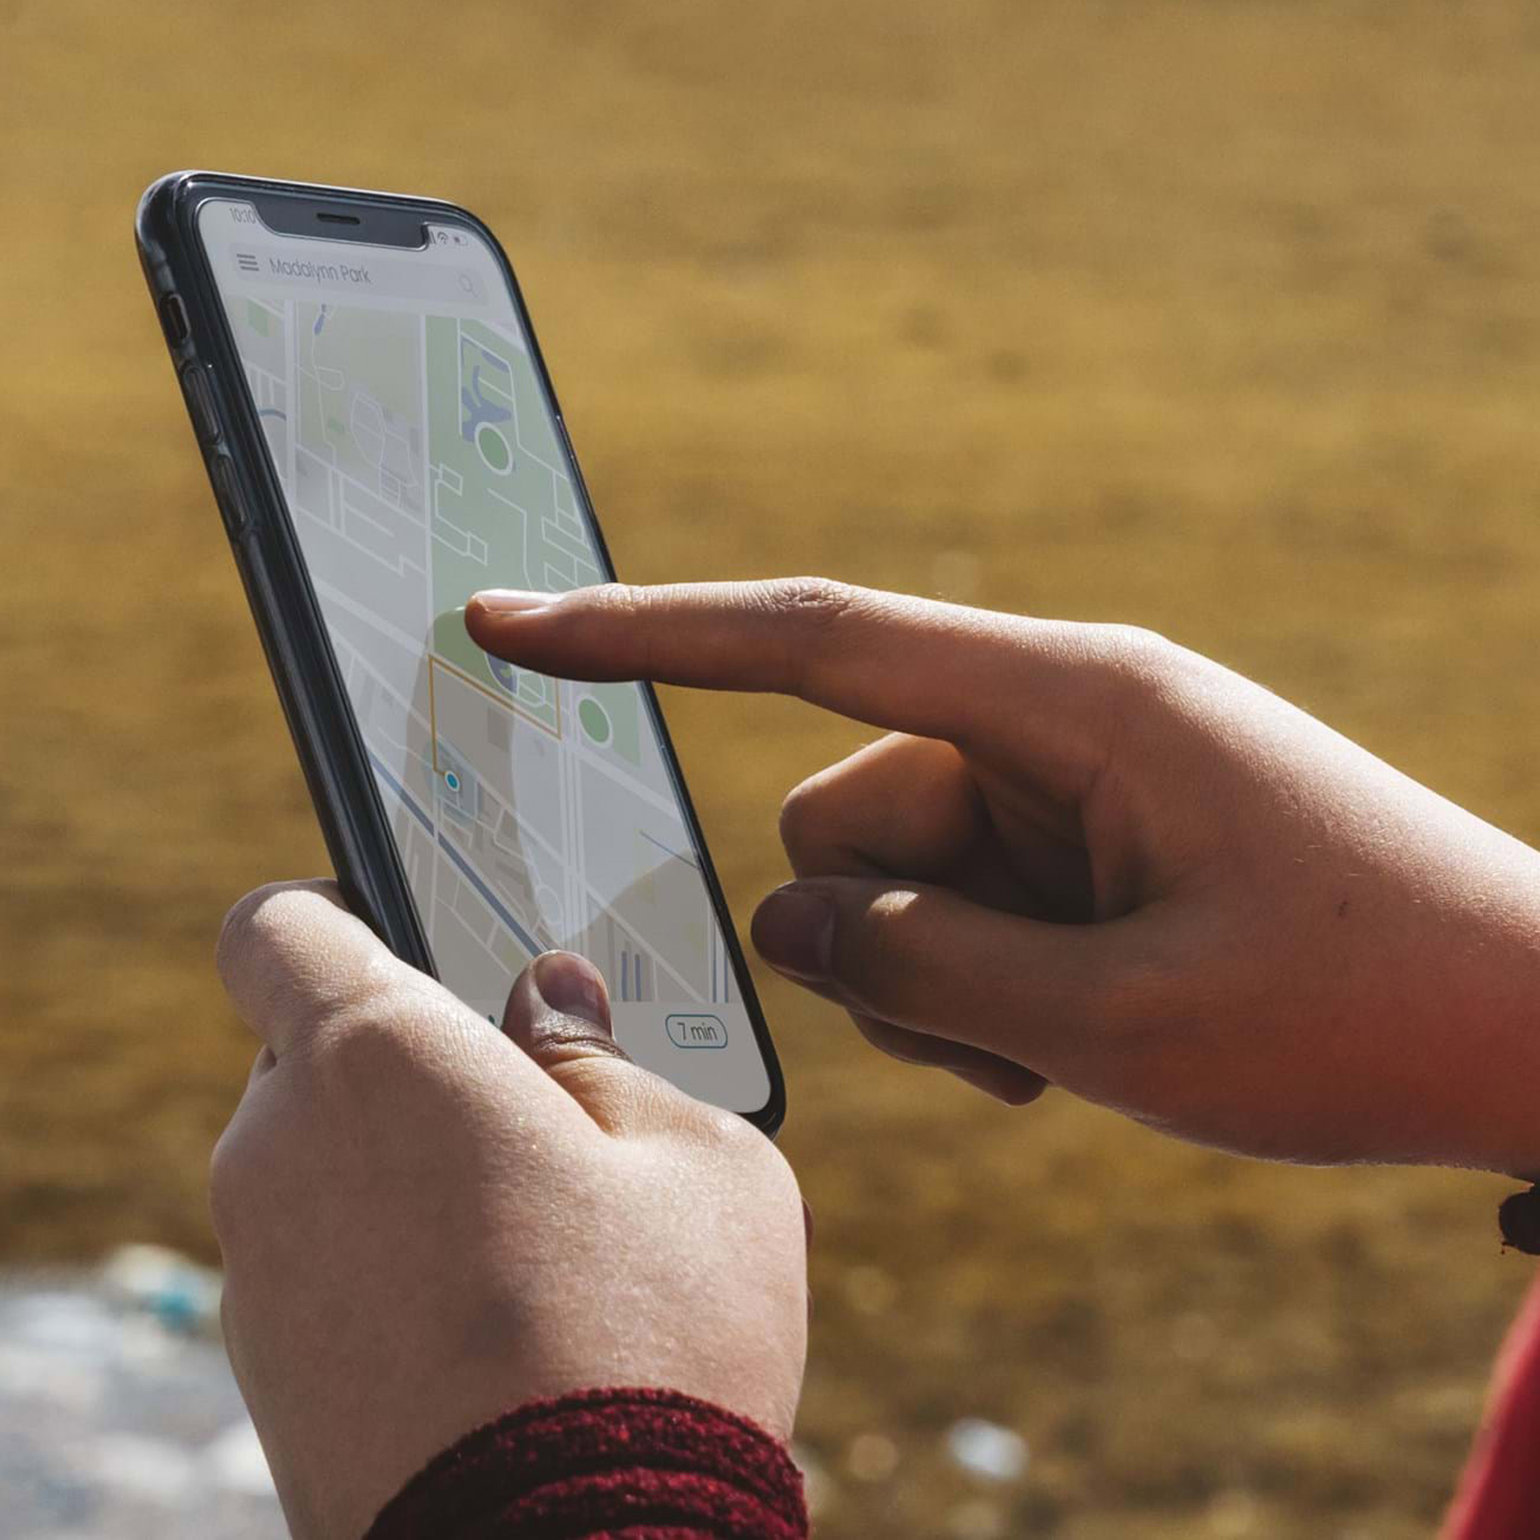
1222	317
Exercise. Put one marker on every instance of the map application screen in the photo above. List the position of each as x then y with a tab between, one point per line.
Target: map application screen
421	460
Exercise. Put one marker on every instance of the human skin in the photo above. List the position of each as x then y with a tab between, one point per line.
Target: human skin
426	1222
1085	855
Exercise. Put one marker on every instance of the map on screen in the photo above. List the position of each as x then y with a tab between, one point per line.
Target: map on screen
422	461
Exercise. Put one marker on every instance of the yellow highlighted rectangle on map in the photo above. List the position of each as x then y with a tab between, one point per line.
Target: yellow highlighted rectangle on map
449	695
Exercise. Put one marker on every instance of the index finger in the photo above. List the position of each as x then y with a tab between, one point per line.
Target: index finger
306	975
911	665
293	960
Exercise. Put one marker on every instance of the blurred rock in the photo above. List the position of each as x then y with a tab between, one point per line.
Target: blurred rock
119	1420
175	1290
987	1450
63	1325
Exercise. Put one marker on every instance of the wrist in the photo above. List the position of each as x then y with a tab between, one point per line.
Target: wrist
1488	1074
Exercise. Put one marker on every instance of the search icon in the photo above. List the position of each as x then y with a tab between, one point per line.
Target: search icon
470	285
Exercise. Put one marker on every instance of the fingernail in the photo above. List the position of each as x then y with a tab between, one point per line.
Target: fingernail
794	931
512	601
571	986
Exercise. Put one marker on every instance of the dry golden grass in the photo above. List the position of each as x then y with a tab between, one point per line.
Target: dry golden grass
1221	317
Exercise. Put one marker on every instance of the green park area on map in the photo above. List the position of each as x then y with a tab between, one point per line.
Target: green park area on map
506	515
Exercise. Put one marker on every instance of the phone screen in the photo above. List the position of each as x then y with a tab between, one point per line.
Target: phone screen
421	459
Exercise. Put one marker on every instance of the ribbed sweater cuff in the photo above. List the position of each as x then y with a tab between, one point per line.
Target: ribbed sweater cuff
638	1464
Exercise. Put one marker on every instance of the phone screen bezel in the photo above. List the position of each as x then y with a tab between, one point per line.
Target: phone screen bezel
352	813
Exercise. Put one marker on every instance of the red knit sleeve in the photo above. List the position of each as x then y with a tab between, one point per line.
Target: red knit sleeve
1499	1494
602	1465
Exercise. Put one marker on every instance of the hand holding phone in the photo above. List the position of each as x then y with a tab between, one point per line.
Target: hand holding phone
425	1223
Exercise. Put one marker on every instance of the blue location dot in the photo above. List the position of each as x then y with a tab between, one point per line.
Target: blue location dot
451	780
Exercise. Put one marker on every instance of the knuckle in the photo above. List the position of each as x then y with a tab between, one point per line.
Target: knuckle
379	1027
801	613
241	927
1143	680
1138	654
739	1137
622	599
262	920
410	1042
724	1133
630	607
805	607
809	603
1152	667
805	611
802	817
581	1051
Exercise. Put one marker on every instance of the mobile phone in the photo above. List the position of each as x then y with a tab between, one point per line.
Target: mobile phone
383	440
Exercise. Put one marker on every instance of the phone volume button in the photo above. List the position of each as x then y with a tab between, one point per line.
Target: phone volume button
227	491
199	395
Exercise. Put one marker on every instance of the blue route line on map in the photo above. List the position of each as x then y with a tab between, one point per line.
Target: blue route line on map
467	871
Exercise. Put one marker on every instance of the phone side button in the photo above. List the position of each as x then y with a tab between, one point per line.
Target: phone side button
227	492
173	320
200	403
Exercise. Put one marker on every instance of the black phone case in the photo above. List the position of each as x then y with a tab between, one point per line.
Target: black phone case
331	751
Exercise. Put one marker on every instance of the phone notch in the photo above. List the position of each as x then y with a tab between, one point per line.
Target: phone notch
335	219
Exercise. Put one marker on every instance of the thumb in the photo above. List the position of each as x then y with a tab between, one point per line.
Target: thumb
926	958
558	1012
